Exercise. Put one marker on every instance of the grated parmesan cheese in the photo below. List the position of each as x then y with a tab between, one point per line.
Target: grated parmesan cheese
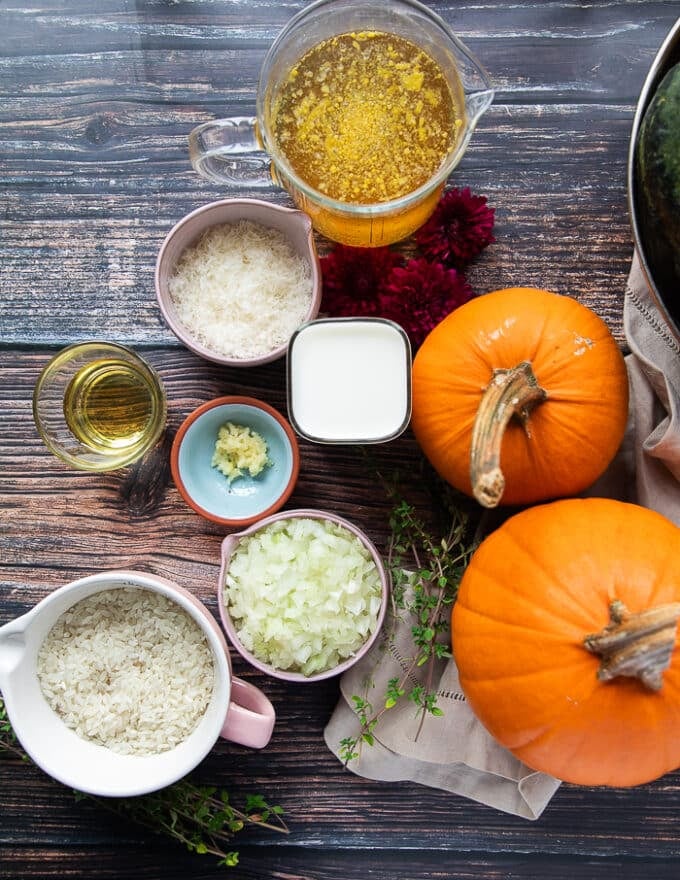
241	290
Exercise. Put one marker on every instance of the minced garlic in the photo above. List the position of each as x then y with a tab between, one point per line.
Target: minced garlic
238	451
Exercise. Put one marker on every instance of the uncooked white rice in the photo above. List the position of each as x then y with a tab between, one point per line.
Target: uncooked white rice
129	669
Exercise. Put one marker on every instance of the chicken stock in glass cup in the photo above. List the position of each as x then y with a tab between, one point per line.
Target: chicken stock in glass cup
363	110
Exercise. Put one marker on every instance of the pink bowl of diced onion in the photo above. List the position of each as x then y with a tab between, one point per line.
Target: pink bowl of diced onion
302	594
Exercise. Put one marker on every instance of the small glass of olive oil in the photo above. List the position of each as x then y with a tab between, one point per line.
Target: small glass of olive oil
99	406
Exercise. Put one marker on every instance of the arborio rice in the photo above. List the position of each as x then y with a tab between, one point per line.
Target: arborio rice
129	669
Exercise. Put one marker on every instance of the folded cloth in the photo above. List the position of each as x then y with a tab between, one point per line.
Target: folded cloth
654	374
452	752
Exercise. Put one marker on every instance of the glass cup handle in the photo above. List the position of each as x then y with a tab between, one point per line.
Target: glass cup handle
228	151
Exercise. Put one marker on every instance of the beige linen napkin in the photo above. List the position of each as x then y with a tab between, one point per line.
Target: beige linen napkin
654	373
452	752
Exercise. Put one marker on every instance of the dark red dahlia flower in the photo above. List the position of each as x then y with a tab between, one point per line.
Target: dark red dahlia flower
421	294
458	230
353	277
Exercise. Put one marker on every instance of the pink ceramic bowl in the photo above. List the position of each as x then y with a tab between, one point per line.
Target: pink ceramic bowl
295	225
229	545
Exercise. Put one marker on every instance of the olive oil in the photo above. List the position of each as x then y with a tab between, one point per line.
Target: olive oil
367	117
111	407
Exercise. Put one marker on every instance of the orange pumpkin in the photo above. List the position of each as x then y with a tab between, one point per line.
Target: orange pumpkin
565	636
520	394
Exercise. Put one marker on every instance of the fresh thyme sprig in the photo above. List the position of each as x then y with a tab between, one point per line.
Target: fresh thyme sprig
426	572
199	817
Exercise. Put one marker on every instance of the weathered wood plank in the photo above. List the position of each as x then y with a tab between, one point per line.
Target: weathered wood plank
319	864
83	258
597	47
326	807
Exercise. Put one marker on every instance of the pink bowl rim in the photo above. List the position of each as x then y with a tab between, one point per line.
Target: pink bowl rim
228	545
177	476
163	297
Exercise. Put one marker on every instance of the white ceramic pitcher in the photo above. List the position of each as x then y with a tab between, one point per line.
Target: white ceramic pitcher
237	710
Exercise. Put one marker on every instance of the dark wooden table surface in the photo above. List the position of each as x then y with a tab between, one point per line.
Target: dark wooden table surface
97	99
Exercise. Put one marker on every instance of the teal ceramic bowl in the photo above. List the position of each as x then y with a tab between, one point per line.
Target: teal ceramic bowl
245	499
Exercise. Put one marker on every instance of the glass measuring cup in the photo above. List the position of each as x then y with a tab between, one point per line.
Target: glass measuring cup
245	151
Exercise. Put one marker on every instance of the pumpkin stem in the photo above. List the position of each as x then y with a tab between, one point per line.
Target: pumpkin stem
510	393
637	645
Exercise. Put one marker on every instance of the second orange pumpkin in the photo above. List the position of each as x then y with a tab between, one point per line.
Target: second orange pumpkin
565	635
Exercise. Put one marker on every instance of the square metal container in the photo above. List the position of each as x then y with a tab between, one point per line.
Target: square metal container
349	380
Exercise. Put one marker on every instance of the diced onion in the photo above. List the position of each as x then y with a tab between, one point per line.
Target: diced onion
304	594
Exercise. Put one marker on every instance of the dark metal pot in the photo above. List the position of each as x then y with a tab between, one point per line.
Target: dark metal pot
663	280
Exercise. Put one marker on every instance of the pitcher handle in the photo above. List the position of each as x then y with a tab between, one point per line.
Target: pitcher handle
250	718
228	151
13	643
